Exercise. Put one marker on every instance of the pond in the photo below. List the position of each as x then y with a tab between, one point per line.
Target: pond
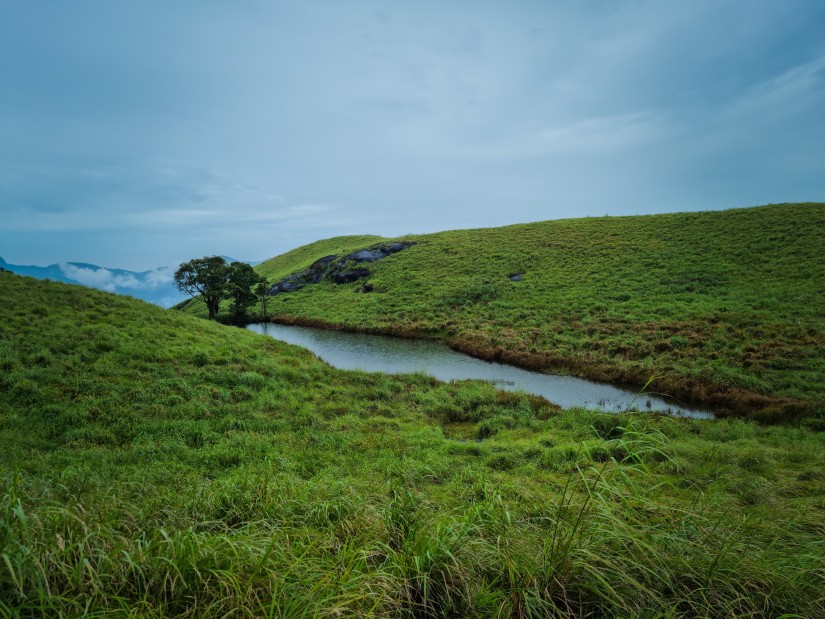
393	355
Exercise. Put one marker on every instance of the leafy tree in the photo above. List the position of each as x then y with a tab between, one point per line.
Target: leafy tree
262	292
241	282
204	279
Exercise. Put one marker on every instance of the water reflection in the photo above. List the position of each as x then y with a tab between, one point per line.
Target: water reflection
378	353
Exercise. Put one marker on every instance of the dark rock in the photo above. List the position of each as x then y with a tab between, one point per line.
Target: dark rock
336	269
377	253
350	276
516	277
317	270
288	284
366	288
321	263
368	255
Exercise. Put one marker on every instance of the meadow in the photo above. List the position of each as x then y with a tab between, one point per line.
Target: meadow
155	464
724	308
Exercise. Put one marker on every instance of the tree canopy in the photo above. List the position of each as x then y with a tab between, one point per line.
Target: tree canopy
204	279
210	279
240	287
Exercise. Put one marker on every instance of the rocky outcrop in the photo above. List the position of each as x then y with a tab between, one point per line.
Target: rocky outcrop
376	253
350	276
341	270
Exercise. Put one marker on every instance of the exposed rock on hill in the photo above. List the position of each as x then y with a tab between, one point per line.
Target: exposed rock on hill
341	270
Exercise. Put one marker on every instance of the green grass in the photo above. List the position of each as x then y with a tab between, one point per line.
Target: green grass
155	464
301	257
724	307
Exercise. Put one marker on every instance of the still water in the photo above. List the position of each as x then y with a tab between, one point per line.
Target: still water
380	353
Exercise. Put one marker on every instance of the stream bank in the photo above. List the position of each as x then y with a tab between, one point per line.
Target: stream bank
686	390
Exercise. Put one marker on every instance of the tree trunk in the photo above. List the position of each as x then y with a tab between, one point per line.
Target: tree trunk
213	307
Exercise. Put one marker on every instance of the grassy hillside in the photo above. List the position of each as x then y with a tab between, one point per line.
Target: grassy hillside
302	257
725	307
155	464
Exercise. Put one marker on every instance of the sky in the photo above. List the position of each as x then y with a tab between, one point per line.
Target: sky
140	134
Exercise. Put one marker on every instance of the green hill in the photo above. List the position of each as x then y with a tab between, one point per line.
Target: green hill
302	257
154	464
724	307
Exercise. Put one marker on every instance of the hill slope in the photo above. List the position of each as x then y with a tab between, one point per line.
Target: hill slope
725	307
302	257
170	466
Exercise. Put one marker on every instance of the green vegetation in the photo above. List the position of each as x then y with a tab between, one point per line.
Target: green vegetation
155	464
241	284
302	257
210	279
724	307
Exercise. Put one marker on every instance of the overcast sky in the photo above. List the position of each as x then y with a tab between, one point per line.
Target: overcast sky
137	134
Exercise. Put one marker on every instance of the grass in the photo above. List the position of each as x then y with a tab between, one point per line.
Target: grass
724	307
301	257
155	465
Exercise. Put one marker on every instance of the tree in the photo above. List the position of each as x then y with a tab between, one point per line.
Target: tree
241	281
204	279
262	291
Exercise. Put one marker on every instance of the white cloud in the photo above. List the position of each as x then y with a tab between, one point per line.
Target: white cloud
99	278
161	276
104	279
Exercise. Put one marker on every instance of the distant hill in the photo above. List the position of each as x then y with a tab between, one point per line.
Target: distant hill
154	286
249	262
724	306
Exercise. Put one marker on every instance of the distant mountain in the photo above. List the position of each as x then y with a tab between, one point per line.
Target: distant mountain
154	286
251	263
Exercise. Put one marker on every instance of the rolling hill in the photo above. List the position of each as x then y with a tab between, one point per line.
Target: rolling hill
724	308
155	464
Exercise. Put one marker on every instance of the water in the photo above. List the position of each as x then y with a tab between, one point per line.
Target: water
380	353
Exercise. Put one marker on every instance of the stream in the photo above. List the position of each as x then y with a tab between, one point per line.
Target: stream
394	355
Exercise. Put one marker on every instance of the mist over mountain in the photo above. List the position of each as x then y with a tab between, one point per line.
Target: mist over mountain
155	286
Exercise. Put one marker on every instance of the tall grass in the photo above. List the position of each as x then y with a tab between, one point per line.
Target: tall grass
158	465
606	544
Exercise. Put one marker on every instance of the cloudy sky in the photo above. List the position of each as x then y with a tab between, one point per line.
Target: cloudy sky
136	134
